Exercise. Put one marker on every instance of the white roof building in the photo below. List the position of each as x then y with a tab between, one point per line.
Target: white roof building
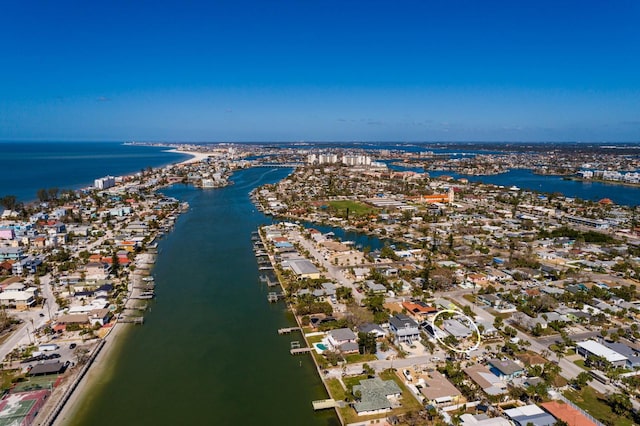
591	347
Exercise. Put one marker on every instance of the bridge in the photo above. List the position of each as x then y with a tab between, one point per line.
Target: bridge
280	165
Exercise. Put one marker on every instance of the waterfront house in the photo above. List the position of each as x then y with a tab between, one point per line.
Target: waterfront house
404	329
343	340
44	369
100	316
63	321
97	271
377	396
302	268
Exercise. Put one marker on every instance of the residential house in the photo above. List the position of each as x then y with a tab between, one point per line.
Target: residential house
439	391
593	348
100	316
488	382
483	420
376	396
505	369
97	270
419	310
530	415
632	355
63	321
372	328
457	329
303	268
404	329
27	265
11	253
374	287
343	340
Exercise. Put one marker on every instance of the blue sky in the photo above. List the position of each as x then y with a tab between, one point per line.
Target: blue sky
320	70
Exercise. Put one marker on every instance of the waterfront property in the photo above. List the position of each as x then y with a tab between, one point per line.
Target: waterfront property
376	396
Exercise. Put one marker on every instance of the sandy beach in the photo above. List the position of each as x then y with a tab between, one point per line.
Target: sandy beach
99	373
195	156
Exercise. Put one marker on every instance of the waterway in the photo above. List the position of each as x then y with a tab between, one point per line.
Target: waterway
209	352
526	179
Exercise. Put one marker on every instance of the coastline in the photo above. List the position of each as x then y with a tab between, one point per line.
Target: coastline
196	156
98	374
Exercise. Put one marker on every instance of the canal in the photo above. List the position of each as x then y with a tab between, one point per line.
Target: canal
209	352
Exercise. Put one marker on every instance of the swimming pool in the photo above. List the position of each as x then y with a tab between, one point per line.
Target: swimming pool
320	347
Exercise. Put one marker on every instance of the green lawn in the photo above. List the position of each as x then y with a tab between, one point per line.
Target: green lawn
595	404
336	391
470	297
355	208
353	380
355	358
580	363
314	339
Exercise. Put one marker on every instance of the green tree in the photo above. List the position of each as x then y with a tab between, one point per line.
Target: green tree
9	202
620	403
581	380
367	343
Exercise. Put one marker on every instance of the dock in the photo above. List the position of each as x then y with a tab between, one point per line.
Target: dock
274	297
132	320
322	404
297	351
288	330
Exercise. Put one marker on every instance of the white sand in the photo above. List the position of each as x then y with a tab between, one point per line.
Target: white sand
195	156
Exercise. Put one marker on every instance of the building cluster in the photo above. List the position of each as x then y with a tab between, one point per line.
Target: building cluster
71	267
616	176
511	269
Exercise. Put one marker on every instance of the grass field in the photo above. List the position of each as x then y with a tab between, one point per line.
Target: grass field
355	208
595	404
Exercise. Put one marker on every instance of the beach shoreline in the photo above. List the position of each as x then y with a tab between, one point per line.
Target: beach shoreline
98	374
196	156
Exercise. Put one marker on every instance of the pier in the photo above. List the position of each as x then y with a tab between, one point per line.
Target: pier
273	297
297	351
132	320
288	330
322	404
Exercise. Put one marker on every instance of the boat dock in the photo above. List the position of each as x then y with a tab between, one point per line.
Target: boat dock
322	404
273	297
288	330
132	320
296	351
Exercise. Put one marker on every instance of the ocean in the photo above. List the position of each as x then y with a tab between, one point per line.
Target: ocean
29	166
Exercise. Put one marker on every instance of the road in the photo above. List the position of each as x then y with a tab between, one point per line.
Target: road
569	370
32	319
333	271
